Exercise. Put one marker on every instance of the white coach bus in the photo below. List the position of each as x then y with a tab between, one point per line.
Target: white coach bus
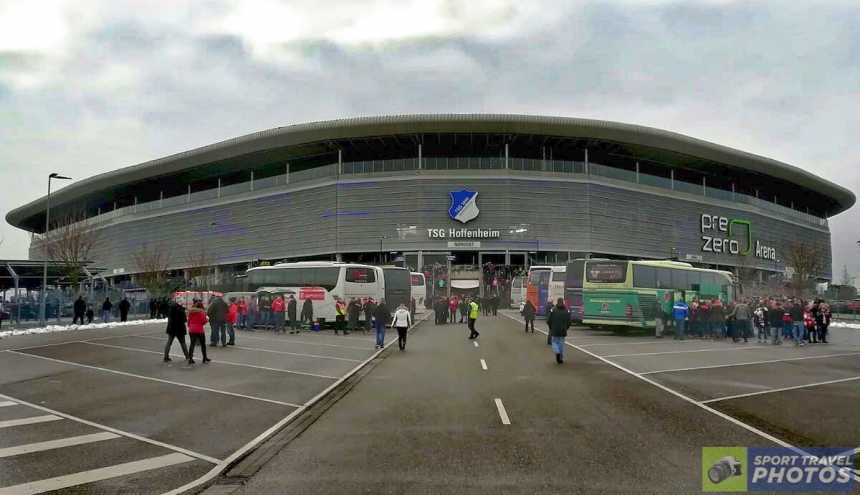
419	290
321	282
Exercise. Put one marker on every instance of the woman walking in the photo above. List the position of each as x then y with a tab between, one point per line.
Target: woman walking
528	313
196	323
175	330
558	321
402	320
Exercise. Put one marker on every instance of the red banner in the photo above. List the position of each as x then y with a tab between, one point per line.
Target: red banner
312	293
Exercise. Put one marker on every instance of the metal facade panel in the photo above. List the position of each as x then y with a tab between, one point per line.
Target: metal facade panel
531	215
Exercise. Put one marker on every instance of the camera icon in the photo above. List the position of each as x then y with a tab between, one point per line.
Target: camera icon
724	469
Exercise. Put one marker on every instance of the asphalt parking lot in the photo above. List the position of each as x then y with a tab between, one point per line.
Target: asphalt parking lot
97	411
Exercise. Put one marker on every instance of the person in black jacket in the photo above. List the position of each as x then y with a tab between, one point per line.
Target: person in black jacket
369	308
80	308
153	308
381	317
292	305
547	311
529	315
559	321
106	307
176	320
308	312
124	306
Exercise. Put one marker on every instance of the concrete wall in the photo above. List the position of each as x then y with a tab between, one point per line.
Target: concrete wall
583	215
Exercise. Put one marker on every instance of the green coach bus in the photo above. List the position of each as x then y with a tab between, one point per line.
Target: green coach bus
626	293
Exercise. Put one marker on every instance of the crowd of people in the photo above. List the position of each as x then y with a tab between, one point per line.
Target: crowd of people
771	319
81	309
450	309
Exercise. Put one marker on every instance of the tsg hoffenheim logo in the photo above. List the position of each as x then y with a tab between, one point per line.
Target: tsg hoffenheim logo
464	206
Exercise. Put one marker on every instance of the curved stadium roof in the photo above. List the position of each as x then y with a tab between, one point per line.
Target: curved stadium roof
27	216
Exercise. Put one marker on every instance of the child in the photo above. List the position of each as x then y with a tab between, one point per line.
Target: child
196	321
90	315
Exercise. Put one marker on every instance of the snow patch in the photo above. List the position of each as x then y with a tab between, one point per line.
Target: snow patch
69	328
842	324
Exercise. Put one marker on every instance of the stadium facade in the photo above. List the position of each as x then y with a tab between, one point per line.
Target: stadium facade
510	189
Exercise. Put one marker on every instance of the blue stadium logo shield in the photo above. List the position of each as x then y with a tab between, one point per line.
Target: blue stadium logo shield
464	206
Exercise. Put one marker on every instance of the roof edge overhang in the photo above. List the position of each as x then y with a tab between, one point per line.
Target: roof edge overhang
438	123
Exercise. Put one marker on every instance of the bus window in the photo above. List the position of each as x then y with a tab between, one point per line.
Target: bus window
574	275
644	276
559	276
606	272
695	279
679	279
664	278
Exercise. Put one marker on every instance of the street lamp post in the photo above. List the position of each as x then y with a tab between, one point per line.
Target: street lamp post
42	310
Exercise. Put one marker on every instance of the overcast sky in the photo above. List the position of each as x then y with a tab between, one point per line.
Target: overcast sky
90	86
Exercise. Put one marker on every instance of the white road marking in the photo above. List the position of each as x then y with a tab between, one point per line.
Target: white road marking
683	397
733	349
260	349
29	421
159	380
116	431
483	365
91	476
287	340
650	342
781	389
57	444
221	361
769	361
229	461
7	403
476	343
502	412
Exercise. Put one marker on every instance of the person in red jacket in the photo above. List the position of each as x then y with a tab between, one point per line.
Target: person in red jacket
196	322
243	313
278	308
232	316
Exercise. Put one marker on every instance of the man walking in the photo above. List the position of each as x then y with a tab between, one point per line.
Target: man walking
679	314
308	312
124	306
473	317
80	308
217	314
401	321
796	312
380	316
559	321
106	307
176	320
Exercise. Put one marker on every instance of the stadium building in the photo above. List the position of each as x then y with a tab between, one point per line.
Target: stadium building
464	189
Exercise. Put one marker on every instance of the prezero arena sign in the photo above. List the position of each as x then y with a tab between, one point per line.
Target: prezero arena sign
734	237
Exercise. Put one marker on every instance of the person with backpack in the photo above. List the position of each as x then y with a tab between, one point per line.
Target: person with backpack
401	321
559	321
196	330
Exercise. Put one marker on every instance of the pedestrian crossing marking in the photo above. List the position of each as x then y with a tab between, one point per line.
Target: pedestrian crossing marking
56	444
28	421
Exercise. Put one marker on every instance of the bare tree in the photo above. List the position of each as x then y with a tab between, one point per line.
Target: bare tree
71	243
151	262
746	274
200	267
805	261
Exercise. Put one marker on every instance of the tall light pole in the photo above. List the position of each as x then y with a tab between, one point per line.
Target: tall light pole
42	315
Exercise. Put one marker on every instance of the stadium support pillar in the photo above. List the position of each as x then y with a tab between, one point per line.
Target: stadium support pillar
17	295
507	154
420	260
637	172
586	161
733	191
160	198
672	178
420	156
287	168
339	161
188	197
704	186
252	180
219	187
507	257
338	257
